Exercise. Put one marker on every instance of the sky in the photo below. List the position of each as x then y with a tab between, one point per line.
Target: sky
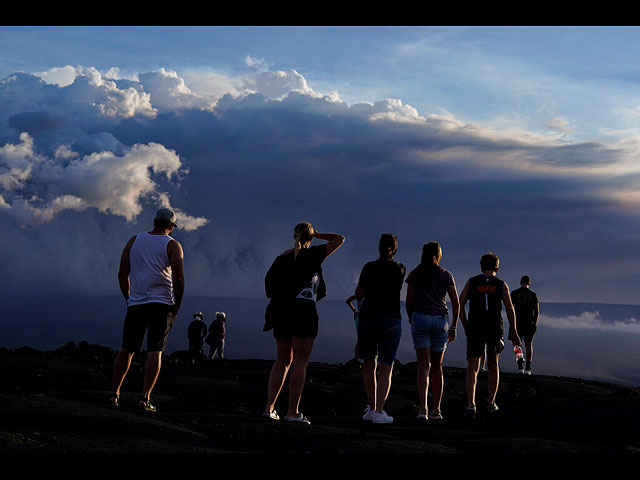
523	141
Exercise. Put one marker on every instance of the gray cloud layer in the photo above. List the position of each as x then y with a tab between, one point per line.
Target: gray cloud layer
84	165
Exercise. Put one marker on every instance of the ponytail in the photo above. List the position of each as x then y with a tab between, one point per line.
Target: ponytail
302	234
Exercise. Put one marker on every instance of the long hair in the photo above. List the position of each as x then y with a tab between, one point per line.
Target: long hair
429	261
388	245
302	234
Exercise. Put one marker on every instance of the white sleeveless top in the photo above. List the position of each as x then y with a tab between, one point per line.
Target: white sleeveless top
150	277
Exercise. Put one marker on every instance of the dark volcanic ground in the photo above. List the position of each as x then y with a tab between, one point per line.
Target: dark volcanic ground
54	402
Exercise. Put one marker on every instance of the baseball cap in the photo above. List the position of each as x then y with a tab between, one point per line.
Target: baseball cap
167	215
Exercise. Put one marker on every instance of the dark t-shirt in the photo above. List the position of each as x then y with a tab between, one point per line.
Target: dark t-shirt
430	289
524	301
382	282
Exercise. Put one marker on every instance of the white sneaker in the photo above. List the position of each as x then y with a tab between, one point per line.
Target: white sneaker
521	370
436	415
527	371
382	418
299	418
422	415
272	415
368	414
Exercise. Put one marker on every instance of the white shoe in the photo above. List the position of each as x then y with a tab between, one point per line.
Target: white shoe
272	415
299	418
422	415
382	418
368	414
527	371
436	415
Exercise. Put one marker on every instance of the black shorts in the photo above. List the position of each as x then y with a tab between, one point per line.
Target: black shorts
298	318
481	339
526	331
154	319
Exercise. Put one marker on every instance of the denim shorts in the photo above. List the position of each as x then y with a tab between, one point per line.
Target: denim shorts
430	331
379	337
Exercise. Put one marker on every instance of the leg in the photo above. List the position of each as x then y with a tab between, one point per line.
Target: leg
529	347
221	351
424	366
120	369
151	372
278	372
302	348
384	385
437	381
370	383
473	365
494	376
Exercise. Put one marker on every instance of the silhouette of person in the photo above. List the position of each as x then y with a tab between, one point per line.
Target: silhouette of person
525	303
294	283
379	325
217	334
484	328
151	278
196	333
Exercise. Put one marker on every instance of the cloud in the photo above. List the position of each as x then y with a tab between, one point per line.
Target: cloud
35	187
591	321
243	159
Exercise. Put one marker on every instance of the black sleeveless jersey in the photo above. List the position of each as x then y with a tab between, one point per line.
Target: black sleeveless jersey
485	300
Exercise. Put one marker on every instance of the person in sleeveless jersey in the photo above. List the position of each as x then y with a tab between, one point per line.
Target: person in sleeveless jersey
484	328
151	279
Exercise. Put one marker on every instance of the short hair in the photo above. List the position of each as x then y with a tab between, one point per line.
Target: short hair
388	245
525	279
489	261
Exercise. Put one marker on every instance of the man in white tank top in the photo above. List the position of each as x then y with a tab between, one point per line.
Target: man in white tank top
151	279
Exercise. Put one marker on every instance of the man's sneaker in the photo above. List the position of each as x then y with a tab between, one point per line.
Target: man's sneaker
527	371
114	400
520	370
273	415
492	407
470	412
299	418
368	414
422	415
382	418
145	404
436	415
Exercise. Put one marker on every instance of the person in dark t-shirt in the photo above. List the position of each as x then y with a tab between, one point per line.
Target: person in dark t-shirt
294	283
379	325
525	303
486	294
196	333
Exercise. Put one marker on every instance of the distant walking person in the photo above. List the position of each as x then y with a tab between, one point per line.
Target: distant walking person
217	334
294	283
525	303
196	333
379	325
151	279
484	328
431	326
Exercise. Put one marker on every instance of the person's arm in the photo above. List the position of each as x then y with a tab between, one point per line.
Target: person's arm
125	270
463	301
334	241
408	303
350	304
455	311
176	260
511	315
536	313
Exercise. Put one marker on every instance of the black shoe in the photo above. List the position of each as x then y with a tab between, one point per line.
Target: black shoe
114	400
470	412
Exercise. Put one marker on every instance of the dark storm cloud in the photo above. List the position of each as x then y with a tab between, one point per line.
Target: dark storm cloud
246	168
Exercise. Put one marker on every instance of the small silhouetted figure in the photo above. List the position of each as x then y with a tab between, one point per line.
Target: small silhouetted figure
525	302
196	333
216	337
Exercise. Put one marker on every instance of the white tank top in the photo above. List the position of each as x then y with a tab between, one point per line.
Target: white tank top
150	277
